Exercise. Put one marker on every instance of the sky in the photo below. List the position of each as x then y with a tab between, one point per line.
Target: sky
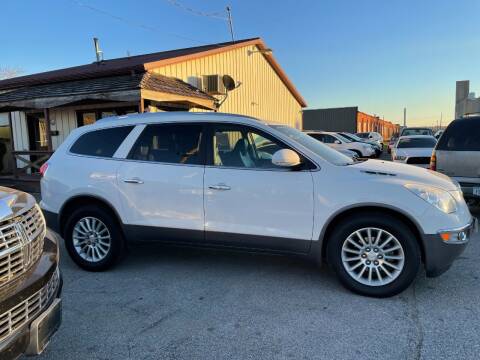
378	55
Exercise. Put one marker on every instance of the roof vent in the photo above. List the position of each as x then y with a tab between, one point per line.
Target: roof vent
98	52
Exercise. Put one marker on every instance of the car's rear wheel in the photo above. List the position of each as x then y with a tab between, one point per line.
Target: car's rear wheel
93	238
374	254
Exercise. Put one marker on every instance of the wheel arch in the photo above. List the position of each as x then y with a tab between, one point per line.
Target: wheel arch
344	213
86	199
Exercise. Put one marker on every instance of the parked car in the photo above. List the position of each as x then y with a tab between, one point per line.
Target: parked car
392	142
355	138
372	136
438	133
415	150
457	155
30	283
352	155
212	179
338	142
408	131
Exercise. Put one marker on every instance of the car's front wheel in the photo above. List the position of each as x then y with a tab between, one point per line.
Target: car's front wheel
374	254
93	238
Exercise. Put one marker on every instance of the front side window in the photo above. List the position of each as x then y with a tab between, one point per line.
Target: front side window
169	143
328	139
101	143
243	147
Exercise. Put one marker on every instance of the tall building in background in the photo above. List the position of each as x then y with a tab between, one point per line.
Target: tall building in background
465	101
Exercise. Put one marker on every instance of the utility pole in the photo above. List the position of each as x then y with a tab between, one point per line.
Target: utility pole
441	118
230	22
405	117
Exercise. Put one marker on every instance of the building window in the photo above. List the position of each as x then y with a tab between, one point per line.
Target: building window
87	117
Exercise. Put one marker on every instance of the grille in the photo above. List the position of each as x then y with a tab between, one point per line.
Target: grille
21	243
418	160
465	184
28	309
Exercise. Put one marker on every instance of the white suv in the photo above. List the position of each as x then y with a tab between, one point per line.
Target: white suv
223	180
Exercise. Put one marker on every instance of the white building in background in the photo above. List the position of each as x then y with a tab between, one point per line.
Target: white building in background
465	101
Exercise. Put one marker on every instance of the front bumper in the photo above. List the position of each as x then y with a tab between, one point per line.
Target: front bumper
440	254
34	333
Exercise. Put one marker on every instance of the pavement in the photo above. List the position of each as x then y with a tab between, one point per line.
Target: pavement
179	303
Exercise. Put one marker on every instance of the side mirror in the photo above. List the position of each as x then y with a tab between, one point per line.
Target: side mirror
286	158
337	142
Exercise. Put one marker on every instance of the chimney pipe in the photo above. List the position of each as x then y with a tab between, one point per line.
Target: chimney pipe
98	52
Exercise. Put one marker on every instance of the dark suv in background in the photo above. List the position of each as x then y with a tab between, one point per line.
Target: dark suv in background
457	155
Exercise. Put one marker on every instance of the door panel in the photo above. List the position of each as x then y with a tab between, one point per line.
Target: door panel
250	202
261	208
161	195
161	183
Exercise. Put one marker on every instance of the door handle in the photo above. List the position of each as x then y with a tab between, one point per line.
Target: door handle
219	187
133	181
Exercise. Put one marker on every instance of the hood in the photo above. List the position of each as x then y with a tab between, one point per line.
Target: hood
407	173
13	202
414	152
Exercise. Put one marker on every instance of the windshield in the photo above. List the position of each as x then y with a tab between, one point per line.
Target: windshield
418	131
351	137
324	151
417	143
343	138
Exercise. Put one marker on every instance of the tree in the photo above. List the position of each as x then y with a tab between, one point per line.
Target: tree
9	72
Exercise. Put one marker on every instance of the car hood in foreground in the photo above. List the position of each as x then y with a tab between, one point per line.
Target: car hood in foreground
408	173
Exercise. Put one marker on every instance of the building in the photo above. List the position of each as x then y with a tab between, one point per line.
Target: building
40	110
465	101
347	119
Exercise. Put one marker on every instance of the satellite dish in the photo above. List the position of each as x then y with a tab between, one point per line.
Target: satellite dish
228	82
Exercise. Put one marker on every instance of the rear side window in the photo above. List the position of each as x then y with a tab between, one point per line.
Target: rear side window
166	143
101	143
461	135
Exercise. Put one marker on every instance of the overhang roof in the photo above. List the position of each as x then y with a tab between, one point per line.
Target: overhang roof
142	63
113	87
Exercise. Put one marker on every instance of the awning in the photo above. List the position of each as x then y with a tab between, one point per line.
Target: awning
133	87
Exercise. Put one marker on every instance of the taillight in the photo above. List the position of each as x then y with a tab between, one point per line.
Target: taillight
433	162
43	169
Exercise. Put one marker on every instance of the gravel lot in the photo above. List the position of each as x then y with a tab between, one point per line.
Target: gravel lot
164	303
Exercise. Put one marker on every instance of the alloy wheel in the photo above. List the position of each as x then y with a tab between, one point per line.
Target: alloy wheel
373	256
91	239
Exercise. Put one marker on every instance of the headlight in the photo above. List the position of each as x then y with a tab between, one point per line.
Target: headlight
400	157
439	198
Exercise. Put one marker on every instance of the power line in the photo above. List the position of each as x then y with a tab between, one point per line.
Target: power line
131	23
216	15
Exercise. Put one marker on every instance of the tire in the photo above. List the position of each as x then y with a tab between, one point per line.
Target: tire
102	257
339	250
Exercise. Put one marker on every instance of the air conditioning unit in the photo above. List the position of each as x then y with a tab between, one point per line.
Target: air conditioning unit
213	84
195	81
